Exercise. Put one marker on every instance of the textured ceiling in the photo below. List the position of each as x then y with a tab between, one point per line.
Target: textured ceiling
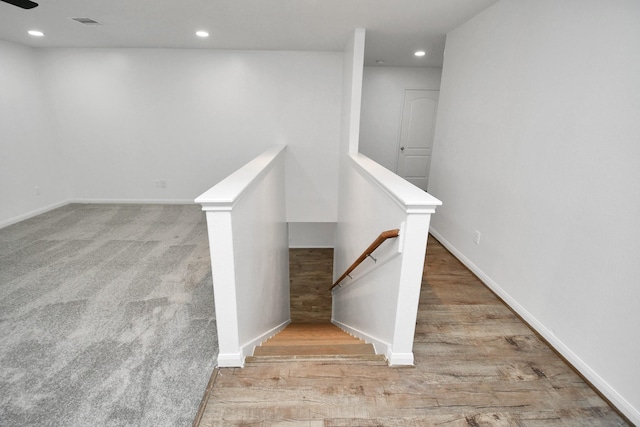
395	28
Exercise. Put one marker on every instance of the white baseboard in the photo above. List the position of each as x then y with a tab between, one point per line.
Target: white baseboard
236	360
310	247
379	346
400	359
51	207
248	348
33	213
609	392
230	360
136	201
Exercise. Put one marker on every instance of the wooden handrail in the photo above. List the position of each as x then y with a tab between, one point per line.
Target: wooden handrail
389	234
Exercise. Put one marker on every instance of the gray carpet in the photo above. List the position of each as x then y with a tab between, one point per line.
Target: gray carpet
106	317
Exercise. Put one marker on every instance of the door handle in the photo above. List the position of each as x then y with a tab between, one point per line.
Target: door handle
401	148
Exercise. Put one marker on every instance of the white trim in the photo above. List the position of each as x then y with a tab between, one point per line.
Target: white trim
379	346
399	359
248	348
310	247
31	214
616	399
230	360
134	201
40	211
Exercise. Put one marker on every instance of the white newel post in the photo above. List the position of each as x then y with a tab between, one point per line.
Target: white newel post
414	244
224	283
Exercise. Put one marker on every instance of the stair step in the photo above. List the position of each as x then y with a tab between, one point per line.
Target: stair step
311	341
314	350
314	342
312	329
371	360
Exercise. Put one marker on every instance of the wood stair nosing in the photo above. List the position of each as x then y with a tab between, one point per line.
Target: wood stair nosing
310	350
309	343
373	360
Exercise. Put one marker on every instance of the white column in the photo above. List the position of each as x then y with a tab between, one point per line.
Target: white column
224	284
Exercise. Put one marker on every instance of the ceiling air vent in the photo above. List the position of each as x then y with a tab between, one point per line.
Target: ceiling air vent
86	21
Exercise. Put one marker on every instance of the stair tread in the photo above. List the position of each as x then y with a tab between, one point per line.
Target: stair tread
291	350
360	359
336	334
314	341
307	341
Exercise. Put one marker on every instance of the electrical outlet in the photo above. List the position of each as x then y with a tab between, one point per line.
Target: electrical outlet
476	238
161	183
38	191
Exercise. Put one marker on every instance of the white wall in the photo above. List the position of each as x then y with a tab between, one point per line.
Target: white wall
29	157
312	234
249	255
538	148
382	98
129	117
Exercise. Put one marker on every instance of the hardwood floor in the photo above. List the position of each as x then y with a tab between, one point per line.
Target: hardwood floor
477	364
310	275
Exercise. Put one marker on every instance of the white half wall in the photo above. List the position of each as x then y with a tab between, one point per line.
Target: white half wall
249	249
381	115
379	303
32	172
537	148
129	118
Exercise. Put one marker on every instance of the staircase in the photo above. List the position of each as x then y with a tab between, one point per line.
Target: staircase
314	341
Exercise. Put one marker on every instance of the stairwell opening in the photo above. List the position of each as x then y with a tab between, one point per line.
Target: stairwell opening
311	336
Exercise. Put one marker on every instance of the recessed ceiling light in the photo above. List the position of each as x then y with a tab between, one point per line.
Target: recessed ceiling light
36	33
202	34
420	53
379	62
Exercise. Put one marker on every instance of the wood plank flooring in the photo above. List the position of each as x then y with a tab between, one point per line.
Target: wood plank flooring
310	276
477	364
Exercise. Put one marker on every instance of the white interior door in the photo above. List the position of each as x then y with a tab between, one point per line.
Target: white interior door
416	135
